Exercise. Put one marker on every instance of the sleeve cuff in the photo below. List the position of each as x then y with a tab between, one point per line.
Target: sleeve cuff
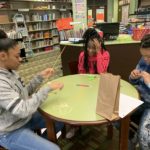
148	85
40	78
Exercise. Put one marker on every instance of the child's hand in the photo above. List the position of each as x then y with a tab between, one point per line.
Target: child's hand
47	73
146	77
55	85
135	74
97	45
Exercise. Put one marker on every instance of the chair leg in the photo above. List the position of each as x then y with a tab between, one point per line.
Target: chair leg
80	129
63	132
2	148
110	131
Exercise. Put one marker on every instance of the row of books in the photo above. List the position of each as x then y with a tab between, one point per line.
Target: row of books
43	34
42	43
40	17
40	26
66	34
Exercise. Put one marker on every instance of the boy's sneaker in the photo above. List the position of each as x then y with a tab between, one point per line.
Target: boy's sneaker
133	143
71	133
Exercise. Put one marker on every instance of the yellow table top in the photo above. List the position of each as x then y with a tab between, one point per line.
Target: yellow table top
77	100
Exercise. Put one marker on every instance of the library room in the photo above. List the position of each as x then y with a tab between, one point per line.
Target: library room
74	74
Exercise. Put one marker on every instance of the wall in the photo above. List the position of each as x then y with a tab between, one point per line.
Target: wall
112	10
109	10
76	13
133	6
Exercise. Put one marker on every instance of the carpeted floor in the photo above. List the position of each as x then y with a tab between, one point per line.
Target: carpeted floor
91	138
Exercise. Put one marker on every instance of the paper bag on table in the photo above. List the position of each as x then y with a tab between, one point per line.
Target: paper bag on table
108	96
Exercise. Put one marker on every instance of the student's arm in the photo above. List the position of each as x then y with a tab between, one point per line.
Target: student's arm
34	84
148	85
136	79
10	100
81	63
37	80
102	61
146	78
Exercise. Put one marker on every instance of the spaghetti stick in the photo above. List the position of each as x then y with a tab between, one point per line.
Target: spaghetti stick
58	56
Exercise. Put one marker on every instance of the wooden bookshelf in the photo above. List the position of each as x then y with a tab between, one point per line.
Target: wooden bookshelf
37	22
48	1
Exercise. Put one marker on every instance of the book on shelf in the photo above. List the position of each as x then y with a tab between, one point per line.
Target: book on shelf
66	34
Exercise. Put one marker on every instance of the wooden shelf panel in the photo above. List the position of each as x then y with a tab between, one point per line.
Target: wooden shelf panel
42	30
38	39
40	47
34	9
41	21
30	21
41	1
139	21
8	23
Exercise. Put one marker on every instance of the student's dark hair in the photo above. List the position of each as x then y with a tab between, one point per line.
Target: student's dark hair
91	34
145	42
5	42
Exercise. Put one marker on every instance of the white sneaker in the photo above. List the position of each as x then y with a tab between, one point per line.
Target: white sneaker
71	132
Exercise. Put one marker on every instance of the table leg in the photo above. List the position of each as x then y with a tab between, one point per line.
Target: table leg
109	131
124	133
51	133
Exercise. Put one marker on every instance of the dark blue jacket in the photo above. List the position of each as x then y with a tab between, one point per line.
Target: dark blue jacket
144	89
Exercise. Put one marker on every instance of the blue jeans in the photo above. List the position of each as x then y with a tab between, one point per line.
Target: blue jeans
25	139
144	131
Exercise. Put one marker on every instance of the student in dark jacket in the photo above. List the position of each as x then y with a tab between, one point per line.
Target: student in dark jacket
140	77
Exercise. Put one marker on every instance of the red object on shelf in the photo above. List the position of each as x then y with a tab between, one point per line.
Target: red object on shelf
49	48
138	34
64	24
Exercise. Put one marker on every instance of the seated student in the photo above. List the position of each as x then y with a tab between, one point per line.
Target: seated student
19	103
140	77
95	58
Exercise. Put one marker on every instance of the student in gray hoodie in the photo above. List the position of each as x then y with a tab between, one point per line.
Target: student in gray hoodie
19	103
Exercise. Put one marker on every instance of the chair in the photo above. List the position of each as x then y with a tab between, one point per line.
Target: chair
73	67
2	148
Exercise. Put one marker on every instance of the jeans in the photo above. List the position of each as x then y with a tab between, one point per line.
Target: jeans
25	139
142	118
135	117
144	131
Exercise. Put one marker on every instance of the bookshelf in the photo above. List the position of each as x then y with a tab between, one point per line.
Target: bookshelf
43	38
40	18
141	16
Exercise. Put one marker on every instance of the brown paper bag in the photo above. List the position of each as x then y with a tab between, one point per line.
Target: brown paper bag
108	96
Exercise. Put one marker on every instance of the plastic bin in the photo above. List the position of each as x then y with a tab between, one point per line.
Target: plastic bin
139	33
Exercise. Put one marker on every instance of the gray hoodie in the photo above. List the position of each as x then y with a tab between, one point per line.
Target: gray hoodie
17	101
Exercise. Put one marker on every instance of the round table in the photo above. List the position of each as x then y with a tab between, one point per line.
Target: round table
76	104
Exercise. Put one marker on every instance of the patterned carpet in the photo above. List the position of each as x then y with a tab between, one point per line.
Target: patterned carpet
91	138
